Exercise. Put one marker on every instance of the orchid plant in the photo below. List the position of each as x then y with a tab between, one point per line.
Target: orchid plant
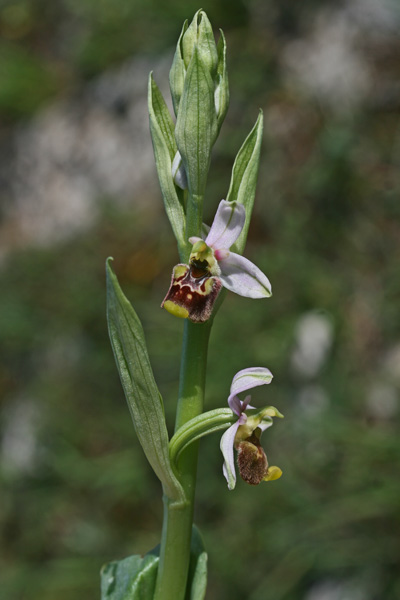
210	260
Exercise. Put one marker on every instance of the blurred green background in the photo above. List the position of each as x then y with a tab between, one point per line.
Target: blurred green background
76	490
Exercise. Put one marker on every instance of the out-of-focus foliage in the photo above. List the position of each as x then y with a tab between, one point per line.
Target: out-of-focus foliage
76	488
48	48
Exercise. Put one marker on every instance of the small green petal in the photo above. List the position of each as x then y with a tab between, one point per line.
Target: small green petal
271	411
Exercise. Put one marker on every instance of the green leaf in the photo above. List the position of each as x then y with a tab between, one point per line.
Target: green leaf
244	177
197	578
196	125
165	148
141	391
134	578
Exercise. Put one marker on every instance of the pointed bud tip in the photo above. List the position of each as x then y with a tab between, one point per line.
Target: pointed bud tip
109	270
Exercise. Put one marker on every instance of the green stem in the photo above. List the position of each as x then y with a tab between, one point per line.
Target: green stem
177	527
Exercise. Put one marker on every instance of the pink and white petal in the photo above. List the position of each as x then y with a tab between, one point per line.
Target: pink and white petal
226	445
263	426
249	378
242	277
178	172
227	225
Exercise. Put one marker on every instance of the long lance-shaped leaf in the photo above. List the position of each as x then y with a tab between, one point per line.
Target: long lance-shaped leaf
196	125
141	391
244	177
165	148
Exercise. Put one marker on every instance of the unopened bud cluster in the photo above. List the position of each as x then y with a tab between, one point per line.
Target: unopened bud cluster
199	36
199	88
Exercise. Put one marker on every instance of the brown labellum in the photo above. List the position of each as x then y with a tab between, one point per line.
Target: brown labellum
192	292
252	460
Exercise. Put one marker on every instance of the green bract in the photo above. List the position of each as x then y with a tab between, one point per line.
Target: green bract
165	148
204	424
178	72
244	177
141	391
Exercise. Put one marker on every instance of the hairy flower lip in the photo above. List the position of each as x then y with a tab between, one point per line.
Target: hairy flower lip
192	293
252	460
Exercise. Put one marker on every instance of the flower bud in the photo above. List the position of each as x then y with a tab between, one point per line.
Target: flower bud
200	34
200	95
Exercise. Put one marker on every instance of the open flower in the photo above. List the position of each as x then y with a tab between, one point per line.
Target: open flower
237	274
195	287
244	435
192	293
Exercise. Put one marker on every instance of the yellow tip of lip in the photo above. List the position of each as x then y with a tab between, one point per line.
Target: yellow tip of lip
174	309
273	474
